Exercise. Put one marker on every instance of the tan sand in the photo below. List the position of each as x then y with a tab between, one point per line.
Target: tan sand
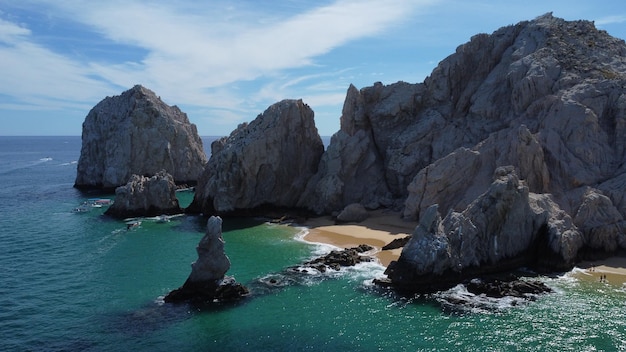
613	268
382	227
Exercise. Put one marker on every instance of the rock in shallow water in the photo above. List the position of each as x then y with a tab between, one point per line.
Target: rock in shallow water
146	196
207	281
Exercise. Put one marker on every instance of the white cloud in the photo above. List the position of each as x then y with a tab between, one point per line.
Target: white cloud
189	52
36	75
11	32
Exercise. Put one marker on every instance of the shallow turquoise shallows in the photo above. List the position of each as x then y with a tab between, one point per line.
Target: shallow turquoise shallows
79	281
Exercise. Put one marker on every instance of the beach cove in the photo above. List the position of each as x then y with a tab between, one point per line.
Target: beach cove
384	226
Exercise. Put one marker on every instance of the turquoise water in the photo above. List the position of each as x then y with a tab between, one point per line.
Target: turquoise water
81	282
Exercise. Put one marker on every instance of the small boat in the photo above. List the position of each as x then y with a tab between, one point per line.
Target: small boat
162	218
133	224
99	202
103	201
83	208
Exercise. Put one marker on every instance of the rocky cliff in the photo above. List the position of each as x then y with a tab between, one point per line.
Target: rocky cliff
505	228
145	196
546	96
267	162
544	99
512	152
137	133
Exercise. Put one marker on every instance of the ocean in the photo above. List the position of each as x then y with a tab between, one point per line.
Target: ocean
79	281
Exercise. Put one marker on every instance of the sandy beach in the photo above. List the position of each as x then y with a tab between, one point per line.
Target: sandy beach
383	226
611	270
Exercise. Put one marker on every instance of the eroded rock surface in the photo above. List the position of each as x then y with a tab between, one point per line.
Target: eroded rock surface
510	153
354	212
543	99
137	133
505	228
265	163
146	196
207	281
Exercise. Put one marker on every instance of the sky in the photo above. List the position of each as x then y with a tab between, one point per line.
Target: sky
224	62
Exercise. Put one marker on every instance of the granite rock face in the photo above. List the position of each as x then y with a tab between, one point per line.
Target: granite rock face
137	133
542	101
507	225
207	281
265	163
146	196
545	96
354	212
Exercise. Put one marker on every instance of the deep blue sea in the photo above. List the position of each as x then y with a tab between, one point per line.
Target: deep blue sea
81	282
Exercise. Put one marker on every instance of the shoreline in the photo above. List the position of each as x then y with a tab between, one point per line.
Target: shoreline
378	230
383	226
611	270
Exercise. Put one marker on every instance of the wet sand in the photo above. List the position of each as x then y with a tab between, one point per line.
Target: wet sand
612	268
382	227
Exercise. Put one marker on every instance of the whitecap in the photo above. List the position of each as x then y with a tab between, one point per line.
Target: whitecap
459	299
320	248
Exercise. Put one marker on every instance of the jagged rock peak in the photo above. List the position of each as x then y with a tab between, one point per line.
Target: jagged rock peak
137	133
264	163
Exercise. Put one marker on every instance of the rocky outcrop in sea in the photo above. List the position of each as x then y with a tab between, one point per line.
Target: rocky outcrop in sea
146	196
266	163
505	228
137	133
208	282
510	153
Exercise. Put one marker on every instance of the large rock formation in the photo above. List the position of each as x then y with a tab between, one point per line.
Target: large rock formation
207	281
146	196
137	133
546	96
265	163
505	228
540	104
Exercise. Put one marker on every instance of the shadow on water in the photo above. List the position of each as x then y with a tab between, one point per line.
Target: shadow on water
157	316
197	223
190	223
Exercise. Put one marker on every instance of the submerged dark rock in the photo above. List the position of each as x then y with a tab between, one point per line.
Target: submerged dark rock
337	259
513	287
207	282
397	243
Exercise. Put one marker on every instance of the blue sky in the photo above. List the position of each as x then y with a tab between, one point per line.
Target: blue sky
225	62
